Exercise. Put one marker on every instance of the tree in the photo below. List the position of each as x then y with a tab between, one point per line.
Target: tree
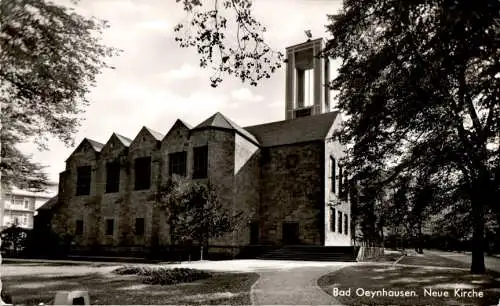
49	59
14	239
195	212
228	39
419	84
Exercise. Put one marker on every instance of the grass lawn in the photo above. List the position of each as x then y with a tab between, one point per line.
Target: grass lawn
108	288
412	280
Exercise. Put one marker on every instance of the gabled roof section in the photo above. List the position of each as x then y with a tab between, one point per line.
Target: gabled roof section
220	121
126	141
94	145
155	134
297	130
178	123
49	205
189	126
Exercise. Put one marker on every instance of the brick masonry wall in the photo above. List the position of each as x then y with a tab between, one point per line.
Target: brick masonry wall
291	191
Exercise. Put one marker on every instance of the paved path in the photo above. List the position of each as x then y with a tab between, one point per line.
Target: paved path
297	286
491	262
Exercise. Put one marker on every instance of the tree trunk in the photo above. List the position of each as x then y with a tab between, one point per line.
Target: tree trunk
420	239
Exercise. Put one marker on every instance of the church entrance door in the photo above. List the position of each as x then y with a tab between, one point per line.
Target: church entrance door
290	233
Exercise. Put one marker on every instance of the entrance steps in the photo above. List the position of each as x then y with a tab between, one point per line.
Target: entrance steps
313	253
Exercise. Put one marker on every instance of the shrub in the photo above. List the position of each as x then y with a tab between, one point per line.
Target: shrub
129	270
6	298
163	276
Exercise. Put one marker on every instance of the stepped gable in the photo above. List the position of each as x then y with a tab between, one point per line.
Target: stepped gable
220	121
292	131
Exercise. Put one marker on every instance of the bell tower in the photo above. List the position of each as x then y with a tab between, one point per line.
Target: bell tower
306	76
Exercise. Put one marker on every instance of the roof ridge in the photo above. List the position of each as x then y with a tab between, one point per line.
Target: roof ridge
123	139
96	145
154	133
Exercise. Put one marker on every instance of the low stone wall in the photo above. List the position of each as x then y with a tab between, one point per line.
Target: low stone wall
366	253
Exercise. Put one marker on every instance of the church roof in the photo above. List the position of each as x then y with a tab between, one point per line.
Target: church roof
220	121
126	141
97	146
156	135
293	131
189	126
49	204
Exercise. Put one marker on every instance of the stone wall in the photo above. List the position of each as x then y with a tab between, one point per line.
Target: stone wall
77	207
291	191
237	187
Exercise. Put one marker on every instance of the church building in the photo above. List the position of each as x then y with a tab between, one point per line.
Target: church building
285	175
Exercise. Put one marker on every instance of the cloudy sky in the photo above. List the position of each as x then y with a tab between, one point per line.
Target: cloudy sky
155	81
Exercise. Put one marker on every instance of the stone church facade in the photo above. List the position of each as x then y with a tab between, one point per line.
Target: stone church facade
284	176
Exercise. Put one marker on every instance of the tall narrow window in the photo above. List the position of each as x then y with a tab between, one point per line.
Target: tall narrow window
83	178
139	226
346	224
300	87
110	226
200	162
332	174
142	173
309	87
177	163
345	186
340	177
79	227
340	222
112	177
332	219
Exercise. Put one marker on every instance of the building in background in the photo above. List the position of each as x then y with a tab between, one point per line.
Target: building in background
18	206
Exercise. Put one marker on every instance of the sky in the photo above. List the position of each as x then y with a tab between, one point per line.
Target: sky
156	82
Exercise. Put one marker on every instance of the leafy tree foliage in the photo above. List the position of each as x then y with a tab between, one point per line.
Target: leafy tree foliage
228	39
49	59
195	212
419	83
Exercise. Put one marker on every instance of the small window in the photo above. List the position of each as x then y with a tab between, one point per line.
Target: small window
332	174
142	173
200	162
177	163
346	224
139	226
340	222
332	219
83	180
79	227
110	226
26	204
112	177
